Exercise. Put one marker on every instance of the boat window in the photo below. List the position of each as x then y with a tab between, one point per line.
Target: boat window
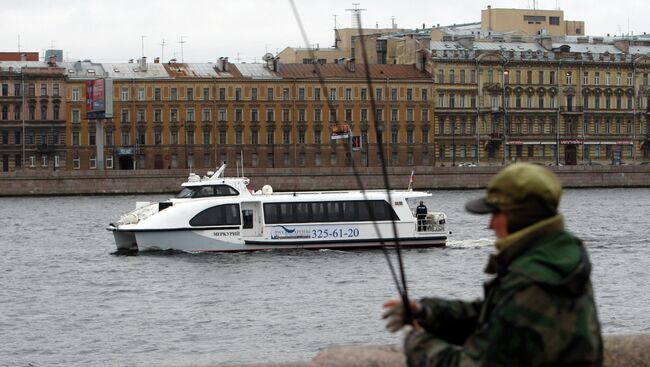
220	215
328	211
207	191
186	192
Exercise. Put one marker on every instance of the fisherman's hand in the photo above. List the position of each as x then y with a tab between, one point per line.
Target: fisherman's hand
396	317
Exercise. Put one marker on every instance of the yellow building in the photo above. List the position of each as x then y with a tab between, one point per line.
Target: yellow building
553	103
266	115
530	22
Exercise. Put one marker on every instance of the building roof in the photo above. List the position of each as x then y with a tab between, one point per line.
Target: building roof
597	48
639	50
82	69
376	71
509	46
256	71
133	71
16	65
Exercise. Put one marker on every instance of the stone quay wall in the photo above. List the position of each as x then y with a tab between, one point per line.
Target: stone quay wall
619	351
297	179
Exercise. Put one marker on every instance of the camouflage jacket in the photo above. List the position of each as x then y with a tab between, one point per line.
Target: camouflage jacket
539	309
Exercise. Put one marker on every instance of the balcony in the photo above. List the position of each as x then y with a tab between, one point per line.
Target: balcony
571	109
45	148
492	87
495	136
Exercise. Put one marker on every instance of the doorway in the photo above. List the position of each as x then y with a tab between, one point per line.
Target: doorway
570	155
126	162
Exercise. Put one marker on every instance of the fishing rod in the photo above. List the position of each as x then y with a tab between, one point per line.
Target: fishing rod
400	283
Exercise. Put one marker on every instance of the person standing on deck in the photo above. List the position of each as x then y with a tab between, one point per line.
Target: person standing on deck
421	213
539	308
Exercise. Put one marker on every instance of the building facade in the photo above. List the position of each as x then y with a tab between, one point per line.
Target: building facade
32	116
564	104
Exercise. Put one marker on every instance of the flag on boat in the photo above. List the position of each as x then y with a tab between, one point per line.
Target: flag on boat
411	180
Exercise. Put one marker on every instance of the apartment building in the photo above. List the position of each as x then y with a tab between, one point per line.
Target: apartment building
32	115
544	101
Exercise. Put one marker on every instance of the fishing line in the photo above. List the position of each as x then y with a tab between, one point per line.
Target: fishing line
401	286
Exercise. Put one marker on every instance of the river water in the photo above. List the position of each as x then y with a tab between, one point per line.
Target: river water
66	300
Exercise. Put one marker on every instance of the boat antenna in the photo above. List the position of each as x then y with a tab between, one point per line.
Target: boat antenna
400	284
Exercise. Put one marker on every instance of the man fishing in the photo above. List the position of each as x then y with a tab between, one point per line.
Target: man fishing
539	308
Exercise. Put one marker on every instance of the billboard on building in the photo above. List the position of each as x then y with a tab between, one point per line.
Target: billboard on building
99	99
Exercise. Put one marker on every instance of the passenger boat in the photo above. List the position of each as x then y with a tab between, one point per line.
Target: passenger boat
223	214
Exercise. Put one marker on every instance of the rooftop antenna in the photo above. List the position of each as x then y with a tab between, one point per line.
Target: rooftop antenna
392	22
237	58
182	41
356	14
162	51
335	25
18	43
142	43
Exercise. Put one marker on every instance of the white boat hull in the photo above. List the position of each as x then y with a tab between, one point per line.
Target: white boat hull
189	241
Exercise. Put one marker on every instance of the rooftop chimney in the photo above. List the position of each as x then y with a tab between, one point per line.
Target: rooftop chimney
23	57
142	63
156	60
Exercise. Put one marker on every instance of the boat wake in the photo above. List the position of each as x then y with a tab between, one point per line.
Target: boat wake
471	243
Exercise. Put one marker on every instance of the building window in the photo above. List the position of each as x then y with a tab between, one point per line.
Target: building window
237	94
554	20
206	97
43	112
125	94
348	94
270	115
317	94
285	94
254	94
76	163
393	94
255	137
317	136
286	137
223	137
364	94
75	94
141	94
238	137
157	137
222	94
156	94
109	138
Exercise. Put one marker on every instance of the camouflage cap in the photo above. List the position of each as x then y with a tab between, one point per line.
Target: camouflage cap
520	186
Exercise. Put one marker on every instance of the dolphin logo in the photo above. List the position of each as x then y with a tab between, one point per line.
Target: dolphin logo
288	230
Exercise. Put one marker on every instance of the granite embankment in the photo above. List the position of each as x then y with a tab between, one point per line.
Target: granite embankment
296	179
620	351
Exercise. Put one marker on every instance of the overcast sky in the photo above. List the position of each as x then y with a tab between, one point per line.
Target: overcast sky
112	30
